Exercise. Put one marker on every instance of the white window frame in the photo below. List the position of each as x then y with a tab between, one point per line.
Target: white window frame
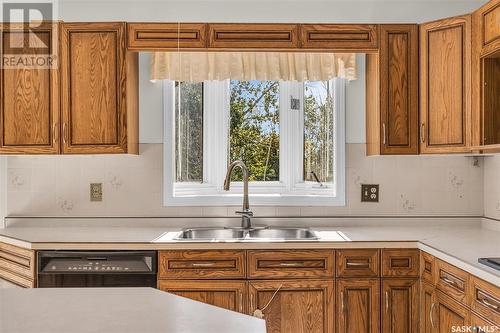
292	192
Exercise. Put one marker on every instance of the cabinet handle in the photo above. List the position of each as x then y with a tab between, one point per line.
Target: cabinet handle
488	304
451	282
384	134
386	301
342	301
430	315
54	133
202	264
357	264
241	301
422	132
290	264
64	133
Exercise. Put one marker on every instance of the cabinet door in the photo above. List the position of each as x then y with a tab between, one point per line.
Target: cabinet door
400	305
299	306
358	305
449	314
29	108
445	85
427	305
94	88
399	89
229	295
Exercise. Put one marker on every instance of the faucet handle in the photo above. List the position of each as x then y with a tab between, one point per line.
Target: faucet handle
244	212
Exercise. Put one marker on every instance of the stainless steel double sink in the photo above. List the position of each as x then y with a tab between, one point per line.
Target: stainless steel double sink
238	234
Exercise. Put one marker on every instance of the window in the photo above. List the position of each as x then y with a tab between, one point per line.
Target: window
289	134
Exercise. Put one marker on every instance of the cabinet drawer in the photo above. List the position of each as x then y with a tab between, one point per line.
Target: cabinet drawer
400	262
452	281
166	36
17	265
427	267
339	36
354	263
485	299
225	264
290	264
482	325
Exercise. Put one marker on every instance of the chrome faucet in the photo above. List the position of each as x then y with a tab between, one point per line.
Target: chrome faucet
246	213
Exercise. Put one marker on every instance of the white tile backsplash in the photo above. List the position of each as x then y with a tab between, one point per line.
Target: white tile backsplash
132	186
492	187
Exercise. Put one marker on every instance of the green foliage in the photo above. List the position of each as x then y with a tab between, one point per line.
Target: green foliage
254	128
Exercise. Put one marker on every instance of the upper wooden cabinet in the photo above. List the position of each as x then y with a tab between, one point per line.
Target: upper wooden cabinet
392	92
445	85
29	109
166	36
346	37
488	27
99	89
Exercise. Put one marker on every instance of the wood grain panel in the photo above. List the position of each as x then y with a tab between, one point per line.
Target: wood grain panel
491	23
482	325
445	94
400	262
17	265
452	281
399	89
166	36
427	267
29	110
300	306
358	305
223	264
485	299
231	295
490	99
449	313
357	263
427	307
400	306
94	87
264	264
252	36
339	37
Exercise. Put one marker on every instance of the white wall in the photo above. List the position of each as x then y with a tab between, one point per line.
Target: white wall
303	11
492	186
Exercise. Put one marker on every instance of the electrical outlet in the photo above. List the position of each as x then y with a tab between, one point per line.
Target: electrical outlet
369	192
96	192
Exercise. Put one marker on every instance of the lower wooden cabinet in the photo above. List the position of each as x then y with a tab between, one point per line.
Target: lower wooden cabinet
229	295
400	305
449	314
300	306
427	305
358	305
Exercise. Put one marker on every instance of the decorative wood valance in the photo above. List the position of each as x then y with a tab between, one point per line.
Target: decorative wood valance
340	38
283	66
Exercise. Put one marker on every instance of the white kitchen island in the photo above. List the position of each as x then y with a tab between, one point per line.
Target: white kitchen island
123	310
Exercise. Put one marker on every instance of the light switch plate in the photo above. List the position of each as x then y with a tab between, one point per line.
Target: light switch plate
369	192
96	192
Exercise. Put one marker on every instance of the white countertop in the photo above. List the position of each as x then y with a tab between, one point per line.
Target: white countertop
460	244
120	310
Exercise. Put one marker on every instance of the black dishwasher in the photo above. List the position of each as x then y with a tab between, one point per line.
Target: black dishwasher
73	269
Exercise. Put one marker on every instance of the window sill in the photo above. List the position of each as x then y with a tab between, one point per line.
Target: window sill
255	200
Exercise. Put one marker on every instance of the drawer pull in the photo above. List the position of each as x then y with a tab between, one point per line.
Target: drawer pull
291	264
489	305
357	264
202	264
451	282
386	301
430	315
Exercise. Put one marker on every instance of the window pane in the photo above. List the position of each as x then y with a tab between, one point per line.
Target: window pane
318	131
254	128
189	132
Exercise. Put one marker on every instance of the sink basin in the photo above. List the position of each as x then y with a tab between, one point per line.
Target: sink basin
211	234
283	233
226	234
